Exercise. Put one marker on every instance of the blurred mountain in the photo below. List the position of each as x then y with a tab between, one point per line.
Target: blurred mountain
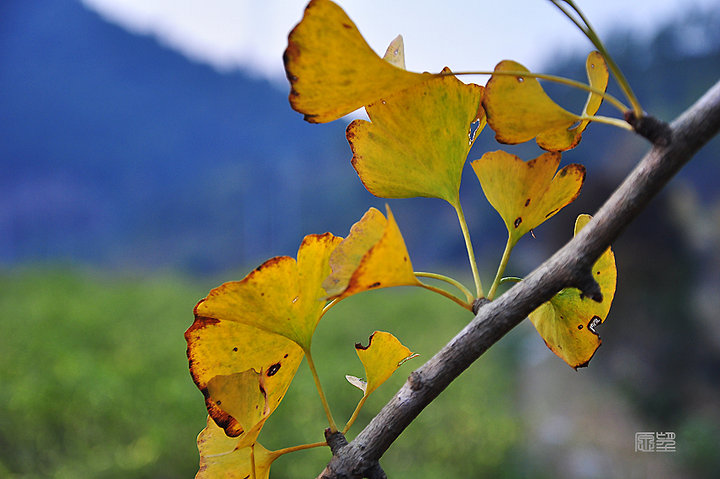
119	152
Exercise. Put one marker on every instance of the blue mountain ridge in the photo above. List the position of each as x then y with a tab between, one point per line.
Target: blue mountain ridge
119	152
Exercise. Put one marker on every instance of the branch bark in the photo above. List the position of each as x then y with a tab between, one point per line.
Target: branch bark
568	267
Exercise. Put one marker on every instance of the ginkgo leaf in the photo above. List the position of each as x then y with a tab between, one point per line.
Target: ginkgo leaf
242	396
527	193
568	322
282	296
221	348
417	140
373	256
395	53
331	68
518	109
380	358
221	458
564	139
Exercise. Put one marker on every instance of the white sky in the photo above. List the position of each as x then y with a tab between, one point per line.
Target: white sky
462	34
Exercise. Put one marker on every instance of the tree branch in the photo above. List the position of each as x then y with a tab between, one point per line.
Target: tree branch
568	267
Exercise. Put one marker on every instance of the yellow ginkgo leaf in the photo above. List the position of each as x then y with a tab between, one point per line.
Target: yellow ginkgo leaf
417	140
282	296
373	256
331	68
564	139
244	397
527	193
221	348
568	322
221	458
380	358
518	109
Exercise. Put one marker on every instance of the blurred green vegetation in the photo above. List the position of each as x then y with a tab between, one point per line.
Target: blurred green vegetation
95	382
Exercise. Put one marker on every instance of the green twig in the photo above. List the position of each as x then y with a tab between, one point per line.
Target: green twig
326	406
501	268
590	33
447	279
469	247
442	292
608	121
355	413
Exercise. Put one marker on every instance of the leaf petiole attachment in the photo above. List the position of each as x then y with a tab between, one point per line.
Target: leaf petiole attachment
447	279
323	399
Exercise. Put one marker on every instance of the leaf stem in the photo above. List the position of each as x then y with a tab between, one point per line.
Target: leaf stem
466	305
501	267
469	247
553	78
449	280
355	413
326	406
510	279
608	121
300	447
590	33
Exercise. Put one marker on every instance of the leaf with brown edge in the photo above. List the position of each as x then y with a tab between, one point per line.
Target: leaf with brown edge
221	458
221	348
568	322
373	256
565	139
282	296
525	194
244	398
417	140
331	68
380	358
518	109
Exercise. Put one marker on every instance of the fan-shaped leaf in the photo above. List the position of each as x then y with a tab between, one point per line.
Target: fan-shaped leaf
527	193
373	256
519	110
218	348
281	296
417	140
220	457
380	358
332	70
568	322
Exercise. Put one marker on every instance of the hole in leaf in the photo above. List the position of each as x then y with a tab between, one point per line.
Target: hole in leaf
474	126
580	326
593	324
517	222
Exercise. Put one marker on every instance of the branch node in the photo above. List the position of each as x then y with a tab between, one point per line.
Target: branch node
336	440
656	131
479	303
415	380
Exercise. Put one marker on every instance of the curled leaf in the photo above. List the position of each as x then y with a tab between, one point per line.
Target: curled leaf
519	110
359	383
525	194
416	141
373	256
331	68
568	322
220	456
380	358
221	348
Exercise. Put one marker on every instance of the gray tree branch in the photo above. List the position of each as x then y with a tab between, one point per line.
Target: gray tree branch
568	267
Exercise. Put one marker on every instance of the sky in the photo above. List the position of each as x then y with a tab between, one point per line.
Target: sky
461	34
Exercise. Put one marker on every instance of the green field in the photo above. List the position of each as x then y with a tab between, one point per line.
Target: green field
95	382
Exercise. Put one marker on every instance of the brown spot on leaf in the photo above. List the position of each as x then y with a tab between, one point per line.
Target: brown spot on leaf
527	202
348	26
285	356
552	213
580	326
517	222
563	172
374	285
235	349
272	370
